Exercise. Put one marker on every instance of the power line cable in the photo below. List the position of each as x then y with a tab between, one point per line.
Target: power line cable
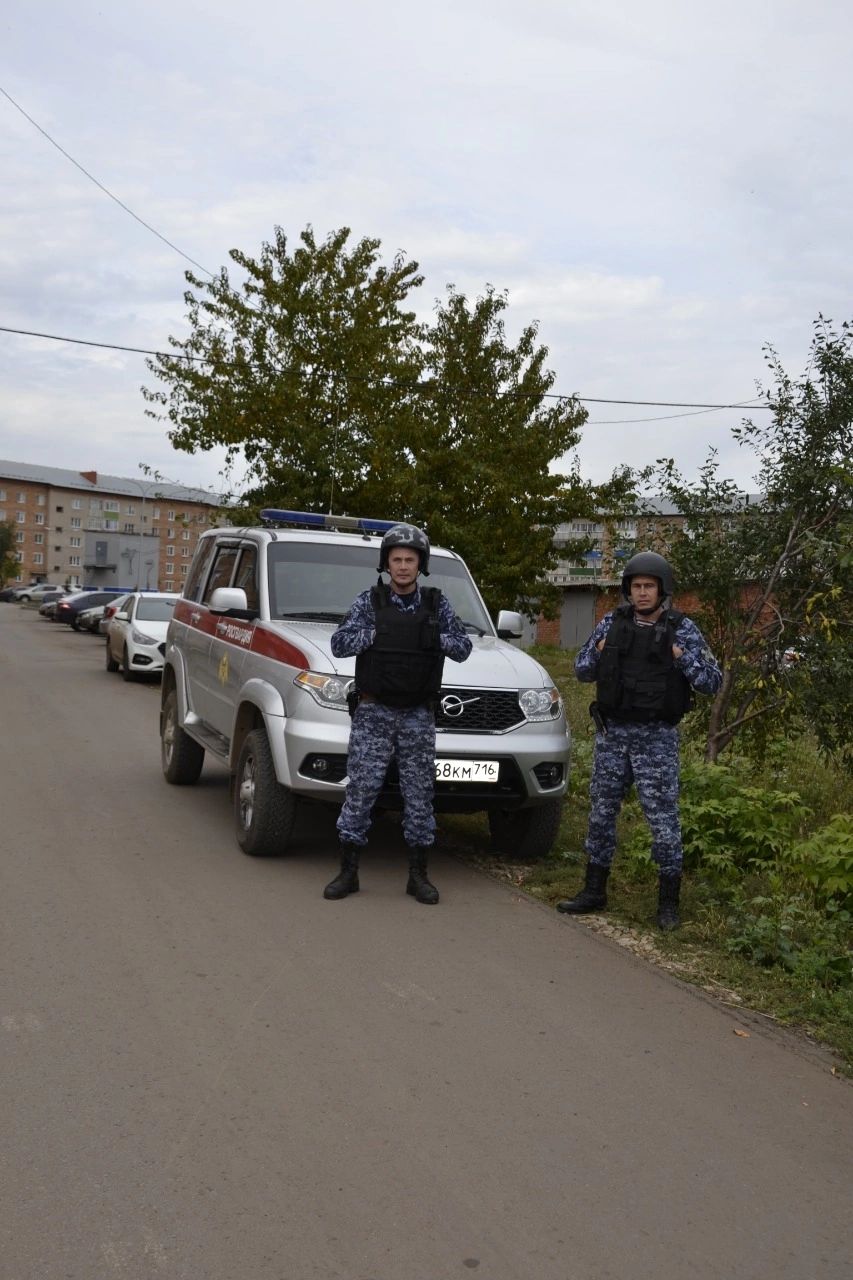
250	307
416	386
101	186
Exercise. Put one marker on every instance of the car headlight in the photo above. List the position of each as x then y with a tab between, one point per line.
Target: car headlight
540	704
329	691
139	637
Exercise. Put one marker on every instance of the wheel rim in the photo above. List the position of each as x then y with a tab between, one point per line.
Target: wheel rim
169	735
247	793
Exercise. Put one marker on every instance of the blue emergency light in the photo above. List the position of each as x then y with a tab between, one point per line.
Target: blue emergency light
314	520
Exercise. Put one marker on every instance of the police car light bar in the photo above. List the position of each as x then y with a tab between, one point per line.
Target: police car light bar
313	520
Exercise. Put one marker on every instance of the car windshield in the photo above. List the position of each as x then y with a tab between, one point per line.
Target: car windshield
154	609
318	582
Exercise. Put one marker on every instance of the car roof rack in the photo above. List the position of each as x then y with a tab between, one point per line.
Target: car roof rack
332	523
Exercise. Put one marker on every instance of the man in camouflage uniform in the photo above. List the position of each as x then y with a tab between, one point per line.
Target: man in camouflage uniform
400	633
646	659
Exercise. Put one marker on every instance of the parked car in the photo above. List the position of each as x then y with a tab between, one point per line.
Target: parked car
70	607
35	591
50	600
110	611
136	636
90	619
250	679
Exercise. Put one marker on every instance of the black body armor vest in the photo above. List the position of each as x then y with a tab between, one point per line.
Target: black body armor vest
637	677
404	665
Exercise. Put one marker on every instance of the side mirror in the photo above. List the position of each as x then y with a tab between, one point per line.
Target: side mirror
226	599
121	616
510	625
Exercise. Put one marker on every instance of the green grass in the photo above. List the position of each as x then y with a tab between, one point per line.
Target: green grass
718	916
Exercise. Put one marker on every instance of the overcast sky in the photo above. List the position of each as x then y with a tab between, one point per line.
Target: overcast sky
664	186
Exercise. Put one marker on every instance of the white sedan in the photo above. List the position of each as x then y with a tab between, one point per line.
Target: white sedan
136	636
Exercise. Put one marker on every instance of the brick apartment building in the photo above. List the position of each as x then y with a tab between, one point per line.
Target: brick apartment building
80	528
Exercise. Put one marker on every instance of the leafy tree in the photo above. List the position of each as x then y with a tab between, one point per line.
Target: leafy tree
477	471
8	562
337	398
774	575
304	370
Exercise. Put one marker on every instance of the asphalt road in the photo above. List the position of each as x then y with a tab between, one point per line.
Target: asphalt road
210	1073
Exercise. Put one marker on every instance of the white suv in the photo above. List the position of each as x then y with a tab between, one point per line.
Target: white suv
249	676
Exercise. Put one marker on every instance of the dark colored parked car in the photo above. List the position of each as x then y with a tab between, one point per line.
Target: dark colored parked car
67	610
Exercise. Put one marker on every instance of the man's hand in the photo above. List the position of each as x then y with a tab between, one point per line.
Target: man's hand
677	651
600	645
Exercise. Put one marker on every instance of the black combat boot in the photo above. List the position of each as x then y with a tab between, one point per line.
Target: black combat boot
669	888
346	881
418	885
593	895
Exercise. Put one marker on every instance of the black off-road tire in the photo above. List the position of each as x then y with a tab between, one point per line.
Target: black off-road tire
527	834
264	810
112	665
180	755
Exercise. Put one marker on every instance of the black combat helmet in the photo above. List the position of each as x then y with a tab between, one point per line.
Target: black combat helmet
410	537
648	564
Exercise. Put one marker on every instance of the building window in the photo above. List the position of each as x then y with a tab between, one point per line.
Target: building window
39	518
155	530
77	504
74	542
184	568
170	532
74	561
170	551
185	551
110	504
57	528
155	514
60	508
75	522
19	537
170	516
22	497
19	559
111	524
20	517
39	539
186	535
38	558
130	510
2	515
2	495
40	499
128	528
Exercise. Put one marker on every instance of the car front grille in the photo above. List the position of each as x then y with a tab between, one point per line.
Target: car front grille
478	711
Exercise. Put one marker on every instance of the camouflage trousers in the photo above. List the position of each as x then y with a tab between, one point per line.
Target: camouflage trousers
377	734
646	755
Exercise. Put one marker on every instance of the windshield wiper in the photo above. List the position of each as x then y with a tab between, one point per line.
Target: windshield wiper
308	615
480	630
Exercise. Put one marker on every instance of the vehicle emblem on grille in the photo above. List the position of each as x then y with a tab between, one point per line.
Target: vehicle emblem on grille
453	706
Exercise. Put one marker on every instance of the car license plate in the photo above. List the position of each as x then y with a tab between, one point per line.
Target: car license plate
467	770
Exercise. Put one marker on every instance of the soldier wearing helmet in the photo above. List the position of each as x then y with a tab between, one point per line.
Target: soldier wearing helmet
400	633
646	659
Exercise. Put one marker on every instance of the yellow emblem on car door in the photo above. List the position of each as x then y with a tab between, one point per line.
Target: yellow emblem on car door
223	669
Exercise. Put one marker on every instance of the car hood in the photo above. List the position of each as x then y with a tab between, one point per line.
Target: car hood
157	630
493	663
